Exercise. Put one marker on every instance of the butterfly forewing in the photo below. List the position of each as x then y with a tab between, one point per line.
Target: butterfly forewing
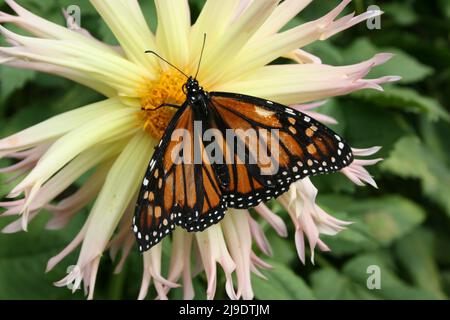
176	190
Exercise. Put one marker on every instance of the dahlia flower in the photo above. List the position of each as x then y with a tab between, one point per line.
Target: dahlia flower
114	138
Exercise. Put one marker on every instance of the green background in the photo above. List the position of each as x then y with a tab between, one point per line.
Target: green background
403	227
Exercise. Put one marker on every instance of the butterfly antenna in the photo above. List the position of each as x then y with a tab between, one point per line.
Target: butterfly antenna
170	64
201	55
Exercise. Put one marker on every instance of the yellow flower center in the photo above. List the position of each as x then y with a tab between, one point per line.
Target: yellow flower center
166	89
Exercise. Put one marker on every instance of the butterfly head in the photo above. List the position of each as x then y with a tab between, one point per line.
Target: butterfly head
194	92
192	86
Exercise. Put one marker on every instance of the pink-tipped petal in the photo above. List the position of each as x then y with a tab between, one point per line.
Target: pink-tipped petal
301	56
259	236
366	152
275	221
213	250
357	172
300	245
67	250
309	219
92	278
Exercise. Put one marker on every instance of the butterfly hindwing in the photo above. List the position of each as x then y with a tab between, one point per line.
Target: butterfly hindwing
305	147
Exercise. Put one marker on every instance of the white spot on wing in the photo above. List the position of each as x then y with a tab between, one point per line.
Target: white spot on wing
290	111
264	112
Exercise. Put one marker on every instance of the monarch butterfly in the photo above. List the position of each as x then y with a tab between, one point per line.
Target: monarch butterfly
196	195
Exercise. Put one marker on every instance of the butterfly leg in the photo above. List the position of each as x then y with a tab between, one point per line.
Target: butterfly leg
163	105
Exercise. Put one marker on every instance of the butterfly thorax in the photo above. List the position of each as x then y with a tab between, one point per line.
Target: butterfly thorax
196	96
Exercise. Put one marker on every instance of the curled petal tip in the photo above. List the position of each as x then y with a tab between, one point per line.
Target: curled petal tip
300	245
17	191
381	58
13	195
393	78
166	282
7	230
366	152
373	85
48	267
373	183
24	223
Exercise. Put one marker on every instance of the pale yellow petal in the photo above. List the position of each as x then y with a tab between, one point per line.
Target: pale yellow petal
214	21
125	19
173	31
119	189
294	83
239	241
263	50
46	29
98	130
238	34
287	10
72	171
113	70
55	127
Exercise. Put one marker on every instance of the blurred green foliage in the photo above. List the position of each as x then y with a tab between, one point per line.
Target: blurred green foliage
402	227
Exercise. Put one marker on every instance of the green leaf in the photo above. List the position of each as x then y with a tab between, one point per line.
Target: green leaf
333	183
367	125
445	7
283	251
199	290
411	159
401	12
86	7
281	284
149	10
13	79
404	99
334	108
37	7
329	284
446	281
391	217
356	238
415	253
326	51
106	34
434	135
441	243
402	64
24	118
383	219
23	258
391	286
352	281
